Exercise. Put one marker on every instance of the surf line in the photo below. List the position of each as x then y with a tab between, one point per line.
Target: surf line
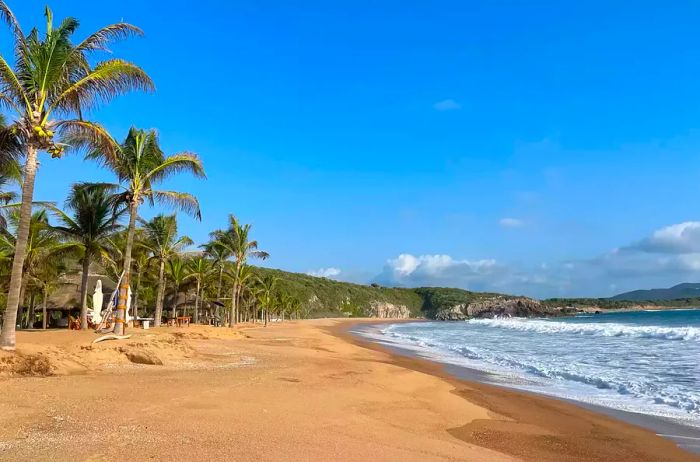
679	437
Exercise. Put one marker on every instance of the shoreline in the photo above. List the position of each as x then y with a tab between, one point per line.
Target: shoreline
479	384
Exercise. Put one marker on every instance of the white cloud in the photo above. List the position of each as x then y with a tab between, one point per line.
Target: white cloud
325	272
447	105
675	239
668	256
511	222
439	270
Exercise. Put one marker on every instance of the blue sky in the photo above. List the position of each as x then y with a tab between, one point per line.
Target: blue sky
490	145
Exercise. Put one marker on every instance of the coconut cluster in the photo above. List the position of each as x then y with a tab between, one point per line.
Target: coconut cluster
40	134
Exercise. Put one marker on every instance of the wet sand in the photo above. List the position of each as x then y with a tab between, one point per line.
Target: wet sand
684	436
303	390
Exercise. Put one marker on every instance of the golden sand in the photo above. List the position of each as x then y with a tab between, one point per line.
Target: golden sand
294	391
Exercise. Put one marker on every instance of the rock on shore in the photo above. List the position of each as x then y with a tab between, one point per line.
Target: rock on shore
498	306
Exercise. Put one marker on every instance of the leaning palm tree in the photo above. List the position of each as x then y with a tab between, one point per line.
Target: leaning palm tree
94	220
163	243
200	269
236	243
47	90
140	164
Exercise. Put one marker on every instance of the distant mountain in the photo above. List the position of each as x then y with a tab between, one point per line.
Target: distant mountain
685	290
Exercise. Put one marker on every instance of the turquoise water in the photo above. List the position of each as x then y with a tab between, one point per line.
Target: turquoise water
644	362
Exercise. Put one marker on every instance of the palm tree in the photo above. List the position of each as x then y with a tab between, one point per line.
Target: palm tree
266	295
47	91
178	273
94	220
220	254
139	164
141	262
44	246
162	241
45	280
236	243
200	269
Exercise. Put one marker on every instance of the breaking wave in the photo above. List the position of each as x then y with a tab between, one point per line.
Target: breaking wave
592	329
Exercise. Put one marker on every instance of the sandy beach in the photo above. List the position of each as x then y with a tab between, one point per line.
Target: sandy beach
303	390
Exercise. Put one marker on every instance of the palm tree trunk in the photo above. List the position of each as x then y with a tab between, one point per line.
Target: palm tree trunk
136	294
239	313
7	336
196	303
232	311
22	299
221	279
173	309
30	312
84	292
160	295
120	318
44	321
234	298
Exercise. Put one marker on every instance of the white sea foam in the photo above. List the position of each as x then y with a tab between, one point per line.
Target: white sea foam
639	363
593	329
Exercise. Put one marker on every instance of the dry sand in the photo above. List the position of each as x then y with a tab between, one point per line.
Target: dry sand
296	391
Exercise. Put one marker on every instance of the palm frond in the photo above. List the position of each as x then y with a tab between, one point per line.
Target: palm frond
106	81
114	32
182	201
87	136
8	17
177	163
11	86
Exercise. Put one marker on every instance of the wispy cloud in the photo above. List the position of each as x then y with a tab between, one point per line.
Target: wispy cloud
447	105
325	273
511	222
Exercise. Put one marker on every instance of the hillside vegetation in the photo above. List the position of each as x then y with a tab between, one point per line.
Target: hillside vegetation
680	291
329	298
326	297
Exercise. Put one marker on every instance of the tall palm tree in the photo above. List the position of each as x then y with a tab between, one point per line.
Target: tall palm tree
162	241
236	242
200	269
94	220
139	164
51	84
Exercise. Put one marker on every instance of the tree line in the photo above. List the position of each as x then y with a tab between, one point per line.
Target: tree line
47	90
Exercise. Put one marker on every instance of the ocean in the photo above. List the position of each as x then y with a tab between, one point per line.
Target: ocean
644	362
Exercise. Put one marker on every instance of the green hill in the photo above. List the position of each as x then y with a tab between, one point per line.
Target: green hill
685	290
324	297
